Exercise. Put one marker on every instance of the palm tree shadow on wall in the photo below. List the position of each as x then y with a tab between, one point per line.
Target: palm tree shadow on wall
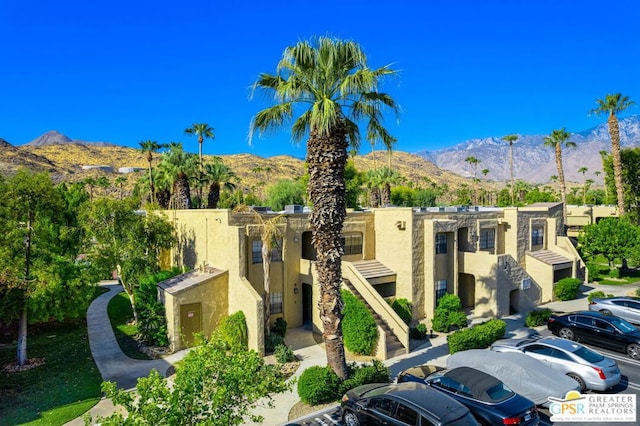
185	254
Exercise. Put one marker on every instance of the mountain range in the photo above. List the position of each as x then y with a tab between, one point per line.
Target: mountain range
532	161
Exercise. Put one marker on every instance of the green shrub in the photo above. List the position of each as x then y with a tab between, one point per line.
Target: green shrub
377	372
419	332
477	337
598	294
567	288
594	271
538	317
233	330
152	322
272	341
359	328
318	385
403	308
614	273
279	327
638	291
284	354
448	314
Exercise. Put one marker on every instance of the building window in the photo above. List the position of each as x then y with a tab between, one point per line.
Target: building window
441	243
275	299
256	251
537	236
352	243
487	239
441	289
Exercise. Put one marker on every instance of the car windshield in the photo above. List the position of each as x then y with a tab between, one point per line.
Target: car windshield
622	325
587	354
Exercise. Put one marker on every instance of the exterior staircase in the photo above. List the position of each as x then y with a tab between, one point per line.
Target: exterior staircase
393	344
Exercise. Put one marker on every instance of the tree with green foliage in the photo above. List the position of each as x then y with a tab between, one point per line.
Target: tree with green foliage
556	140
119	238
614	238
218	175
150	147
511	139
612	105
202	131
630	159
284	192
178	167
332	80
216	384
39	276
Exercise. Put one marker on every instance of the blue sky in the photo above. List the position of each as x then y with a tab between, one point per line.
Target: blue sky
127	71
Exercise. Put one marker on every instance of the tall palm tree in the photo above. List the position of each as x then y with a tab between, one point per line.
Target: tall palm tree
150	147
202	131
218	175
330	78
613	104
556	140
511	139
584	171
474	162
178	167
120	181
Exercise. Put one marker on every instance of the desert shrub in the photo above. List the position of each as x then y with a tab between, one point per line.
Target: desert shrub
359	328
448	314
567	288
419	332
598	294
403	308
272	341
233	330
152	322
318	385
477	337
376	372
537	317
284	354
279	327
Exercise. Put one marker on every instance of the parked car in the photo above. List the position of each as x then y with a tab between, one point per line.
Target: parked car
625	307
402	404
589	368
601	330
490	401
523	374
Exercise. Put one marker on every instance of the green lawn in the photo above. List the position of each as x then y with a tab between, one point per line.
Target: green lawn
121	316
65	387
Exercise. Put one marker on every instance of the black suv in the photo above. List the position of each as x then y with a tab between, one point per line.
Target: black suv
601	330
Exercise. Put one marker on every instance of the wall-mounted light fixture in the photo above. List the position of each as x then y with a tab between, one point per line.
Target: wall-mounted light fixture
295	288
401	225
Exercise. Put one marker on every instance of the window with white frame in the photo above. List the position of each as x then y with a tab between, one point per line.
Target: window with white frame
537	236
275	300
441	243
256	251
487	239
441	289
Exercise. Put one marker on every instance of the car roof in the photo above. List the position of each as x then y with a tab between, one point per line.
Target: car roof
586	313
477	381
635	299
558	342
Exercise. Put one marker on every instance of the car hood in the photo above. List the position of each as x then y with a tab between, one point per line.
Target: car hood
523	374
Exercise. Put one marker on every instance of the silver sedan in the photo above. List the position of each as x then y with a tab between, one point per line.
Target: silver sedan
624	307
589	368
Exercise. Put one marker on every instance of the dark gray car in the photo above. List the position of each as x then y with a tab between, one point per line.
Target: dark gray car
625	307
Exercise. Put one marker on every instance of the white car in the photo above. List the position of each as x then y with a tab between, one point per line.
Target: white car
589	368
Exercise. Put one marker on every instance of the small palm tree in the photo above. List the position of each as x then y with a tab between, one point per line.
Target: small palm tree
330	79
150	147
511	139
556	140
217	175
613	105
178	167
120	181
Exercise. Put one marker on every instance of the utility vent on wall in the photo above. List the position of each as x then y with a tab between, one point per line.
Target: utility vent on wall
526	284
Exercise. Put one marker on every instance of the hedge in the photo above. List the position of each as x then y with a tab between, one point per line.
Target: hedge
359	328
404	309
477	337
567	288
598	294
233	330
538	317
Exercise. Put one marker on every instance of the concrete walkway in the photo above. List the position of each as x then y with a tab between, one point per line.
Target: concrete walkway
112	363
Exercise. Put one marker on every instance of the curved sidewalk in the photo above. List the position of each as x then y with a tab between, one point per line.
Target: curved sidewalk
112	363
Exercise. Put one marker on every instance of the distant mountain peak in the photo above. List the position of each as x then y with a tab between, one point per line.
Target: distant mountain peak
53	137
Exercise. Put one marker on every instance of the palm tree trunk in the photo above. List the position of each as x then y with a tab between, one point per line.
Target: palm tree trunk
327	158
563	188
214	196
182	192
151	191
614	133
513	185
385	196
266	299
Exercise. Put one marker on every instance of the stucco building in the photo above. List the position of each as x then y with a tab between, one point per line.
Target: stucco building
498	260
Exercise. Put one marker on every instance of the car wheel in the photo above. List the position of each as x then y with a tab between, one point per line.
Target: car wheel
633	350
350	418
578	379
605	312
566	333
